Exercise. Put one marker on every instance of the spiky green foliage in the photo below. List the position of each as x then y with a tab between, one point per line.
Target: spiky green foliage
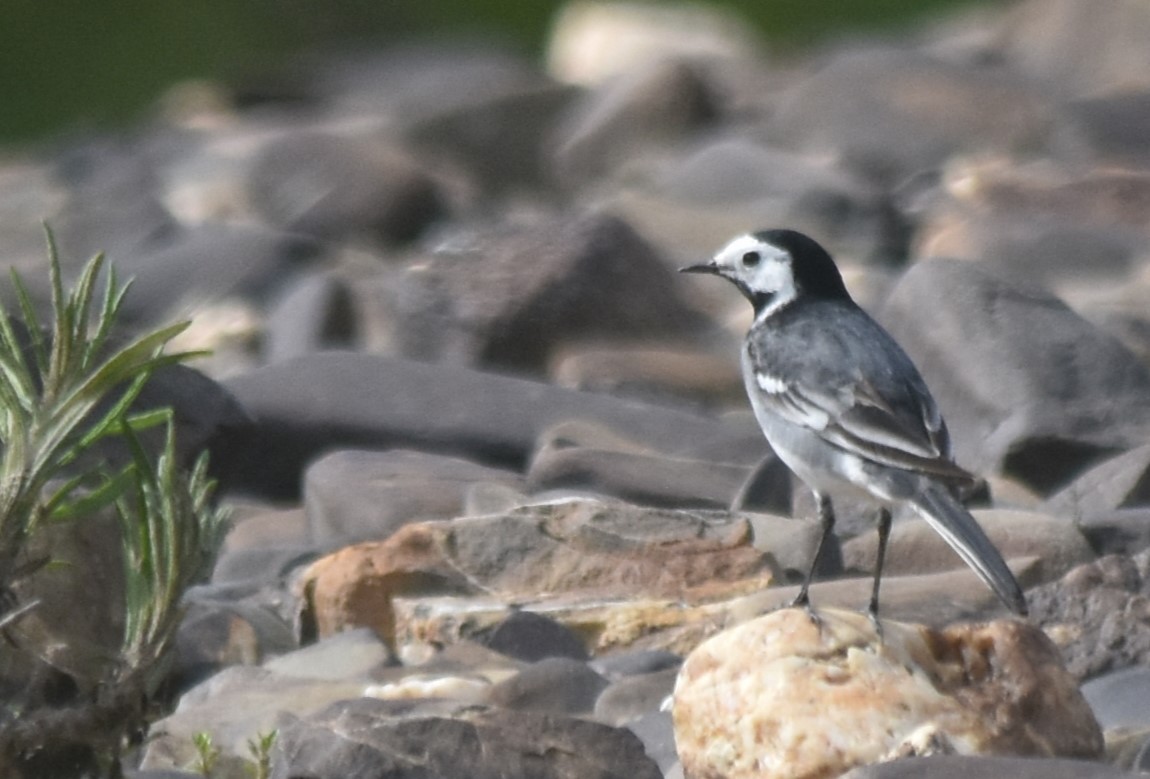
61	390
171	534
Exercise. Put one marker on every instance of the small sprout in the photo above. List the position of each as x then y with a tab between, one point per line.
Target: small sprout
206	754
260	749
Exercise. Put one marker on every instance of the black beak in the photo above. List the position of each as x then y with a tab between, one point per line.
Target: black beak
706	267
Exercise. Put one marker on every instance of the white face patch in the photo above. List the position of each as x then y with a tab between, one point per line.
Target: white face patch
770	275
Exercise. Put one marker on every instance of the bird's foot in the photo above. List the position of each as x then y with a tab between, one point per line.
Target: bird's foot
803	601
875	622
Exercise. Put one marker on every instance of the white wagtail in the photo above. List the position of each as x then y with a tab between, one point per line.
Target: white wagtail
843	406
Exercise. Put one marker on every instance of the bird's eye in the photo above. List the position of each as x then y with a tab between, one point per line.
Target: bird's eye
751	259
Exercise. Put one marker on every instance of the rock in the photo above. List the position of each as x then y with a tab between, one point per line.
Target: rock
890	113
936	599
583	548
219	632
557	685
113	201
354	587
1028	387
612	127
791	544
985	767
352	654
1119	482
355	495
623	664
1114	127
1117	532
914	547
333	187
657	733
208	262
651	373
997	688
263	545
593	42
717	187
335	400
498	141
635	624
1098	614
1036	221
382	738
532	637
508	297
646	479
233	706
1078	47
313	313
633	697
1118	699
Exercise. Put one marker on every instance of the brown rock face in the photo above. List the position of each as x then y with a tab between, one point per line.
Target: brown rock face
578	548
783	697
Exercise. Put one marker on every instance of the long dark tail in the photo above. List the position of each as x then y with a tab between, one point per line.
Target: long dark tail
955	524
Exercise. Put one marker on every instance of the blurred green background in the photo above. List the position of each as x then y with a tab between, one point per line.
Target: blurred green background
77	63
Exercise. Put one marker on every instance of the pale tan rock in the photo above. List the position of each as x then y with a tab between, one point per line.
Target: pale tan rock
783	697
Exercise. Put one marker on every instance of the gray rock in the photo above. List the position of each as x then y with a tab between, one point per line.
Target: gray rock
1123	531
312	314
915	547
984	767
657	733
263	545
357	495
890	113
1100	613
1118	698
346	656
633	697
216	633
646	479
1028	387
531	637
623	664
333	187
113	203
558	685
664	372
506	297
1114	127
1119	482
767	185
1078	47
1037	221
332	400
234	706
613	125
377	738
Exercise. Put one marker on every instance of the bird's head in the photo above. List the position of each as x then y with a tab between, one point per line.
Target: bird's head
774	267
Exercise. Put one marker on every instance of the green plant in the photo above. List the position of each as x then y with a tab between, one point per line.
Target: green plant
260	749
64	390
207	754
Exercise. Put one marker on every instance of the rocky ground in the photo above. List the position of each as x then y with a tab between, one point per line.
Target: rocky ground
493	473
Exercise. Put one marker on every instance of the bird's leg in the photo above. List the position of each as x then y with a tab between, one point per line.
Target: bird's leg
883	537
827	520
